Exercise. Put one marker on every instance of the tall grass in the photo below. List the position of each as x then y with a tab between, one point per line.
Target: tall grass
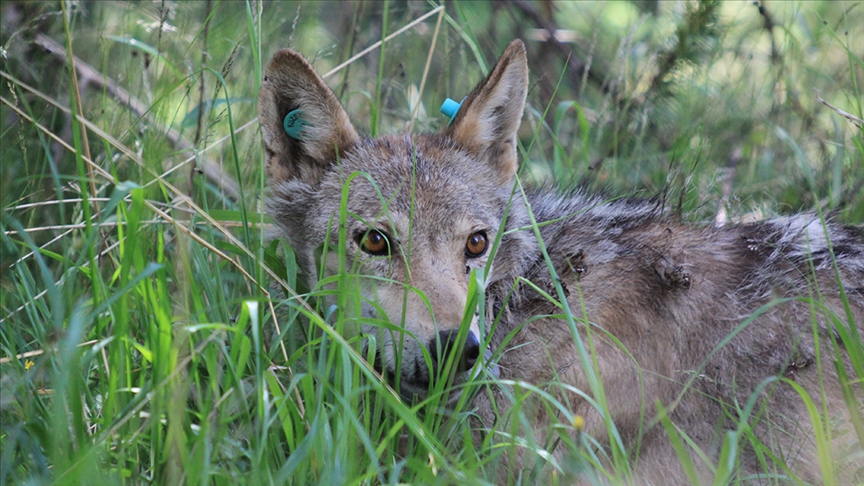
151	330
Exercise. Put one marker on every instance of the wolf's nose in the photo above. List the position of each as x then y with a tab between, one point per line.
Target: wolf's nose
447	341
471	351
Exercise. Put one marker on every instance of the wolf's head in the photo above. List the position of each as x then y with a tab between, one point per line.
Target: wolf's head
422	210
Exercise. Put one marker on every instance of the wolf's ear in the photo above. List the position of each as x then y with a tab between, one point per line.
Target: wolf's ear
321	129
488	119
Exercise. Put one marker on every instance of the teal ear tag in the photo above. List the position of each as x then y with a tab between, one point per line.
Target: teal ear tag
450	107
294	124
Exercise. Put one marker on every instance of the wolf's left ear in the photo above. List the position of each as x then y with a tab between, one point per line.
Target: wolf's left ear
487	122
304	126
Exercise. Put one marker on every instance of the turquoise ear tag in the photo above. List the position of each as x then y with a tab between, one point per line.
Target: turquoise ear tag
450	107
294	124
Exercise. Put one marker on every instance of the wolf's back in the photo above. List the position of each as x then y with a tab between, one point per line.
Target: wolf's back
704	319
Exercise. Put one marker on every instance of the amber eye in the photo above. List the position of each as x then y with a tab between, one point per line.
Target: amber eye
476	245
373	242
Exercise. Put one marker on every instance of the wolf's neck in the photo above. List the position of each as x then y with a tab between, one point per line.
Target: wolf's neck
580	215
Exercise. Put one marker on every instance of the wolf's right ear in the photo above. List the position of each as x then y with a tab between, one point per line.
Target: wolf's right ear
487	122
323	132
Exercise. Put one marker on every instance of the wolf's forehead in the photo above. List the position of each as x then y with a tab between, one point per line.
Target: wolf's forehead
403	155
422	173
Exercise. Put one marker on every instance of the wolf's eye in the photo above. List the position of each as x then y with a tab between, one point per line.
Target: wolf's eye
373	242
476	245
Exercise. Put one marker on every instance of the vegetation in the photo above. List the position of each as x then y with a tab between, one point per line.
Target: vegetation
142	339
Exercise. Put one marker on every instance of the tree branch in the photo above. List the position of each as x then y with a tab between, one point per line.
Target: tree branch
575	66
89	76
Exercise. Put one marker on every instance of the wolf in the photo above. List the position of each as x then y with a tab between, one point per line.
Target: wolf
683	321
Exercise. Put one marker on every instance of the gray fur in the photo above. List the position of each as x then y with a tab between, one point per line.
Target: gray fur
669	292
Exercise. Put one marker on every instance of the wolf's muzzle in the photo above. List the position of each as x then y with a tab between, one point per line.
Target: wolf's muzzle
444	344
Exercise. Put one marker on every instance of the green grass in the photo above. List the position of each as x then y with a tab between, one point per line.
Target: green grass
143	340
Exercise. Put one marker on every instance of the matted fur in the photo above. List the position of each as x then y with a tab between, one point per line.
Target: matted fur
669	293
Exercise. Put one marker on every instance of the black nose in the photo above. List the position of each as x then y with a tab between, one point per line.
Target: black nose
442	346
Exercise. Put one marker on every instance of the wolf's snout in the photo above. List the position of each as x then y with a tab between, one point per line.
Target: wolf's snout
443	345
